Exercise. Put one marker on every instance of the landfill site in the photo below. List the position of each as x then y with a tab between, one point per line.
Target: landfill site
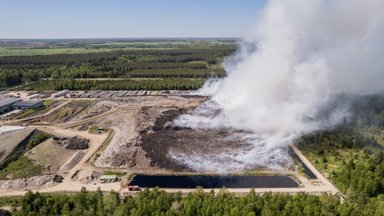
102	139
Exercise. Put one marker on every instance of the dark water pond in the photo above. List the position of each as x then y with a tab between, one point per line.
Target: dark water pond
172	181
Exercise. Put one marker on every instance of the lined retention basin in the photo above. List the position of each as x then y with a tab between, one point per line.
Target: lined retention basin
216	181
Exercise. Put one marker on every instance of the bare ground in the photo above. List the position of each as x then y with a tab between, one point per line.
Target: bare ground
142	142
50	154
136	116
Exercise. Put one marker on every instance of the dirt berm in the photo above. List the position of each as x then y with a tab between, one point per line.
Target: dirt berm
73	143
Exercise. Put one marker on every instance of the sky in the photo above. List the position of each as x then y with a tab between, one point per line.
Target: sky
127	19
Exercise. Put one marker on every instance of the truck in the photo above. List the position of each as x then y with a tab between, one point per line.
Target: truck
133	188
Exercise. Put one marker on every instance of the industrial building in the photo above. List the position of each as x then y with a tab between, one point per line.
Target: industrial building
35	104
34	96
108	178
60	93
6	104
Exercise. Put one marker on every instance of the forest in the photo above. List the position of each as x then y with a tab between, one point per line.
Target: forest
184	60
158	202
352	155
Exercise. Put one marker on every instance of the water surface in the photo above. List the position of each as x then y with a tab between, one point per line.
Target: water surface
173	181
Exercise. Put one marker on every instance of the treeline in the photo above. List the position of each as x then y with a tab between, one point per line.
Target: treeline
157	202
181	63
10	77
123	84
98	58
181	73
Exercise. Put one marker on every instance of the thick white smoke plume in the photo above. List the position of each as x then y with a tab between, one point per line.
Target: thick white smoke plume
300	54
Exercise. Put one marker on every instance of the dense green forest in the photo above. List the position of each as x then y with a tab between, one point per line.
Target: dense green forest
158	202
352	154
197	60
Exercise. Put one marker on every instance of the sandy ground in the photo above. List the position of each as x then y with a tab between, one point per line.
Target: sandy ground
51	154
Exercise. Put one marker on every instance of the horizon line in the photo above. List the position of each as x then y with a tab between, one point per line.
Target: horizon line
120	38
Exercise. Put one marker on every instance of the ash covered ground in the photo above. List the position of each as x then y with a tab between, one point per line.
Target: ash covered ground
172	147
147	141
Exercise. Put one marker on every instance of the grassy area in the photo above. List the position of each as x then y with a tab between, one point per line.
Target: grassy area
261	173
27	113
91	46
94	129
22	168
117	173
49	102
13	201
9	51
38	138
5	51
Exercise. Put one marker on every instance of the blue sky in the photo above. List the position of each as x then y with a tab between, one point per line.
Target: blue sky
129	18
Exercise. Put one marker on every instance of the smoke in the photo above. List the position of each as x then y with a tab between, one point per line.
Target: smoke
297	58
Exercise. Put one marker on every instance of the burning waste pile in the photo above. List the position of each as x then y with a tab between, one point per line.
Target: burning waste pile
300	56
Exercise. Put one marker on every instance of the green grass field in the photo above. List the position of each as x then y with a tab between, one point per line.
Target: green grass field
94	47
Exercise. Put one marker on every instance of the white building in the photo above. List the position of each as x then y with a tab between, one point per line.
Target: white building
60	93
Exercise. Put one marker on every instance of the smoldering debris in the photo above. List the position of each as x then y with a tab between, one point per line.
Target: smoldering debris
299	56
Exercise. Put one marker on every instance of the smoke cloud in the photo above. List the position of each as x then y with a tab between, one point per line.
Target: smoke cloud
299	55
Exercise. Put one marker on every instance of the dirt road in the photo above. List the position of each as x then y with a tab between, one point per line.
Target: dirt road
326	186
